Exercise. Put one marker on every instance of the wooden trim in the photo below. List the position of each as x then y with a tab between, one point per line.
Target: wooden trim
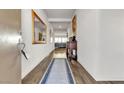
74	25
34	14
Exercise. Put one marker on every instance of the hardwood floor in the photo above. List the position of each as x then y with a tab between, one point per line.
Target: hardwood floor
80	74
36	74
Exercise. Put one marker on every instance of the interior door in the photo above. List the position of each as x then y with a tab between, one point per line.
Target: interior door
10	57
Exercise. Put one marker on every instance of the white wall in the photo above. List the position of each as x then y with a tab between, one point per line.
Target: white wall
101	43
36	52
87	37
111	64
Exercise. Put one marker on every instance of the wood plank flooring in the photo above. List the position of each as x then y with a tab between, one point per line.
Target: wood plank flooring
36	74
80	74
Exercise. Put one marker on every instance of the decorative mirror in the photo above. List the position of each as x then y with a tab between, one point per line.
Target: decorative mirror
74	24
39	29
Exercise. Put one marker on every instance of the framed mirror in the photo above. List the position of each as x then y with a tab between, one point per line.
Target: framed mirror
74	24
39	29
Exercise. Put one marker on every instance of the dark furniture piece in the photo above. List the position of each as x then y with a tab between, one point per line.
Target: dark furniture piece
71	48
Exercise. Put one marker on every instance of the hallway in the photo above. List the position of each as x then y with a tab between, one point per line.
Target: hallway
51	46
62	46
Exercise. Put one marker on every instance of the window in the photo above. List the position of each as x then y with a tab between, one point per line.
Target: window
60	39
56	39
64	39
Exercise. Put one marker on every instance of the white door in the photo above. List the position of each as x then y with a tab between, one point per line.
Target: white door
10	58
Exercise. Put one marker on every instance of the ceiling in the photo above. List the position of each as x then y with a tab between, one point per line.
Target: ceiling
60	26
59	18
59	13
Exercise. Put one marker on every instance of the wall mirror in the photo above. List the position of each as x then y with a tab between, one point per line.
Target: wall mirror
74	24
39	29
